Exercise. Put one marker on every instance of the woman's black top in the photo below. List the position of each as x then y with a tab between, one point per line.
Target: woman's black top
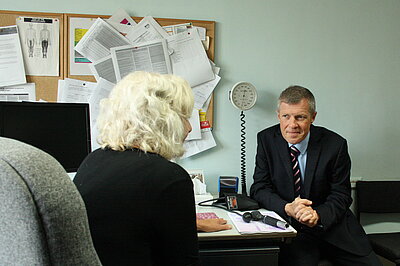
140	207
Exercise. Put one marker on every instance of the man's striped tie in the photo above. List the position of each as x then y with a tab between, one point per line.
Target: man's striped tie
294	153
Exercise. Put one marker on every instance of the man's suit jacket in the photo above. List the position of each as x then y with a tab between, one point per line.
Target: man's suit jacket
326	184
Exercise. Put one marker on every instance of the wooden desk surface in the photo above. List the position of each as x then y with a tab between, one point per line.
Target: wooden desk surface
233	234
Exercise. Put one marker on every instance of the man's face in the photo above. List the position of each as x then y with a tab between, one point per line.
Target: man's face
295	121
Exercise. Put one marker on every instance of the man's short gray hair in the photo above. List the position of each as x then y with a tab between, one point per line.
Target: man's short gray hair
294	94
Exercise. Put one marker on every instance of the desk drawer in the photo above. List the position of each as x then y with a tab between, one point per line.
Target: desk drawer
240	256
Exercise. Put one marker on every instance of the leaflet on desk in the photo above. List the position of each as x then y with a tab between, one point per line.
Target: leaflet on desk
257	227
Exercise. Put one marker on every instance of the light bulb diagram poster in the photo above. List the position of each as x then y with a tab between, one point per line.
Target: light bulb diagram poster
40	45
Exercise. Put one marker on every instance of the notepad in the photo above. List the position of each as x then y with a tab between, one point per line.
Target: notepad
206	215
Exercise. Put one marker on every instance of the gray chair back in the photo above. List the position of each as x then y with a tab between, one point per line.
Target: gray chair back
380	197
43	218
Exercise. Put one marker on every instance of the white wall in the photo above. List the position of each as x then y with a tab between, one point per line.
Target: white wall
346	51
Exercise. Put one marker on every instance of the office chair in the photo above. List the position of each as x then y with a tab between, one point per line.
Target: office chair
381	197
43	219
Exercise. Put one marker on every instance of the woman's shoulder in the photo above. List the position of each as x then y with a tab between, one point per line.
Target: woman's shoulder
135	160
172	167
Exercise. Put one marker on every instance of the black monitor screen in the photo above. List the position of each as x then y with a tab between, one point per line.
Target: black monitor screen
60	129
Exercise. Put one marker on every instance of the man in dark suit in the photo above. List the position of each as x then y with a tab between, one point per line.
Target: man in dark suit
309	185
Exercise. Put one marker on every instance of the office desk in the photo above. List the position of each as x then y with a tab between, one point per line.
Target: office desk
231	248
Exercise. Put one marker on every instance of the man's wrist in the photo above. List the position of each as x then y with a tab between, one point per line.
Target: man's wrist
287	209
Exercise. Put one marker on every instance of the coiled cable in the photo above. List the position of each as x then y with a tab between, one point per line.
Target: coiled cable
243	153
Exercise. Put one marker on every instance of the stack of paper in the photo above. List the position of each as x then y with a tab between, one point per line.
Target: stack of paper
111	49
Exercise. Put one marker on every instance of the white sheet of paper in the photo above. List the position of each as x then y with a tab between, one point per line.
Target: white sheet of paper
194	121
121	21
101	91
202	32
60	90
16	93
203	91
121	28
93	135
189	59
40	39
215	68
78	64
122	17
193	147
177	28
146	30
12	70
151	57
104	68
98	41
75	91
206	104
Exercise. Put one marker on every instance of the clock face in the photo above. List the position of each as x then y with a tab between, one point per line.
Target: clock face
243	95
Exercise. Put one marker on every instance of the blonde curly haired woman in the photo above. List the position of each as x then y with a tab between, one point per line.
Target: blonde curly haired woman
140	204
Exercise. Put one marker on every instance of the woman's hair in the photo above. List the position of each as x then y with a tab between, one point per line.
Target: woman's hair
146	110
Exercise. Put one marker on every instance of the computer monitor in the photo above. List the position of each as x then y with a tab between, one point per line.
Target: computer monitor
60	129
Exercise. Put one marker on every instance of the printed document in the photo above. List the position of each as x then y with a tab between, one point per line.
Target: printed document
177	28
98	41
215	68
101	91
146	30
17	93
12	71
104	68
189	59
206	105
121	21
40	39
202	32
75	91
194	121
151	57
203	91
193	147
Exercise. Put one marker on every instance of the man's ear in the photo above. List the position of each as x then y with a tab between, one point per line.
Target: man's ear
313	117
